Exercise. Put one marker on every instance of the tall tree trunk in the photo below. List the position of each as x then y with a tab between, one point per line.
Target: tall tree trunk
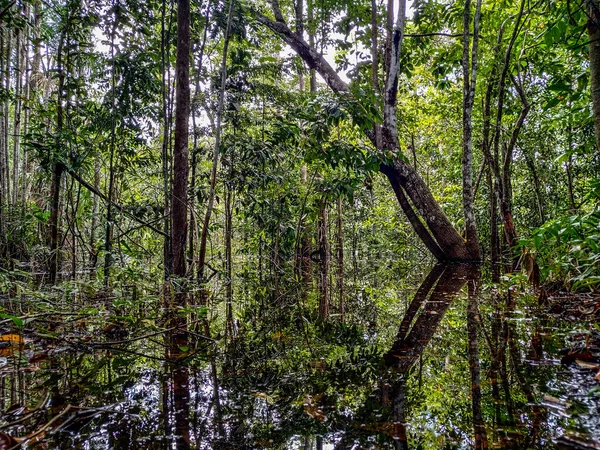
18	75
165	43
469	84
503	202
311	43
340	259
215	162
111	166
58	168
474	366
593	27
25	107
6	106
179	194
323	260
228	256
437	232
94	222
3	160
179	213
193	229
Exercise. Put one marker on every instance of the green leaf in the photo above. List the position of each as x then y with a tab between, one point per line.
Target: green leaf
17	320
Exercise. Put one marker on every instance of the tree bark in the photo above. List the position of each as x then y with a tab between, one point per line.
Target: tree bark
593	27
180	153
111	167
228	261
17	116
469	84
474	366
444	241
179	194
166	138
58	169
215	162
340	259
323	260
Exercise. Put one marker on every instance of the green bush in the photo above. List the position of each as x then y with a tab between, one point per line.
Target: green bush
568	249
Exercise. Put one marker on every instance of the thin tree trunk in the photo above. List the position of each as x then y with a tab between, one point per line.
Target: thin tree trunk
17	116
299	10
506	214
26	108
311	43
195	101
474	366
469	84
537	186
375	77
494	242
593	27
228	256
569	169
93	225
7	113
323	260
111	168
215	162
166	96
340	259
389	25
58	169
3	161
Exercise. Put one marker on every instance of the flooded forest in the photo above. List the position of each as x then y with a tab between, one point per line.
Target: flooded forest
299	224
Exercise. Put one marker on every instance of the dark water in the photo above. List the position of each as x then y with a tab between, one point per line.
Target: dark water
462	365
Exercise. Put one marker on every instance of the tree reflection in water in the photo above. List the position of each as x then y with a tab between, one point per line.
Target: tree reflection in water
176	394
454	376
433	298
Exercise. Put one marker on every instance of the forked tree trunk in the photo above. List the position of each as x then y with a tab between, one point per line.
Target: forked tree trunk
416	200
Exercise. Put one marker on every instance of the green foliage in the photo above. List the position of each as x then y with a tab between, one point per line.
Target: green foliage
568	248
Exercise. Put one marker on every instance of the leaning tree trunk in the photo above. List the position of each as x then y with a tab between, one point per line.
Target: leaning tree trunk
413	194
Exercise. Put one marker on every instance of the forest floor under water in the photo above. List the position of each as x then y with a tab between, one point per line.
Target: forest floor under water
459	364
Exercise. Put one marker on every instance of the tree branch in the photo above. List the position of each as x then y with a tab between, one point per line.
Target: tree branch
313	59
95	191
